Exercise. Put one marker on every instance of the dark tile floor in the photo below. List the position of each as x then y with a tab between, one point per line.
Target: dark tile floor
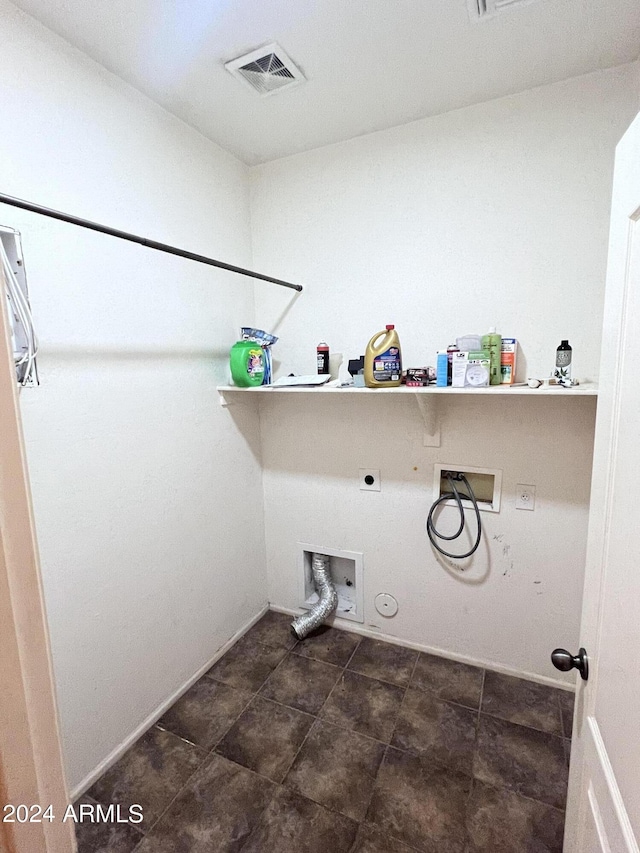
345	744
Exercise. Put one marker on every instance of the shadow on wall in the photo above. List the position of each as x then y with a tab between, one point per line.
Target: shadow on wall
217	357
474	570
332	436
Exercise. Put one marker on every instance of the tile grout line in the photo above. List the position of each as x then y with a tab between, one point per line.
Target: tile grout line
388	745
404	696
330	722
264	698
235	720
211	752
175	734
475	746
505	789
386	832
317	716
145	831
293	760
351	656
173	799
343	670
321	721
306	713
522	725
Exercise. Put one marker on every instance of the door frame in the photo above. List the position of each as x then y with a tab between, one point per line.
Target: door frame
31	763
587	745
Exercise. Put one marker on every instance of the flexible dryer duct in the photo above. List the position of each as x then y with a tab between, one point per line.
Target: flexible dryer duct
303	625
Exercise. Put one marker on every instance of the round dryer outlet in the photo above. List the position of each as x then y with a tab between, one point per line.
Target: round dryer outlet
386	604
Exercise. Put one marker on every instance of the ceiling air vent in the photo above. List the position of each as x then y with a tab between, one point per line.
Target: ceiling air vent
481	10
267	70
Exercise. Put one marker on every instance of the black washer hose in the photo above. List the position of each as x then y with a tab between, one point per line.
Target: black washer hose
431	528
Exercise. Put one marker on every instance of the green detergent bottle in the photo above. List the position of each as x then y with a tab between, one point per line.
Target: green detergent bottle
247	364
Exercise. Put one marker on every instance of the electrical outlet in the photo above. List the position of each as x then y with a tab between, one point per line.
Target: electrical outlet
369	479
525	497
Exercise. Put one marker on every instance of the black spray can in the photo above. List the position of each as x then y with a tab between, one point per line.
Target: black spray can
450	351
323	357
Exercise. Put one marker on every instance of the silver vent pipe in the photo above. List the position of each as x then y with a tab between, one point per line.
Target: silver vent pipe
307	622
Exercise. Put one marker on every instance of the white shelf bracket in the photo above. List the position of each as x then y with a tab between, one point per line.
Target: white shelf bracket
230	399
225	402
431	419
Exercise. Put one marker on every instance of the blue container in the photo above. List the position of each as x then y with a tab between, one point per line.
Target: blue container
442	369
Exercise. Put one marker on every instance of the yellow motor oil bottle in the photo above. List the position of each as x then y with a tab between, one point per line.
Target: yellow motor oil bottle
383	360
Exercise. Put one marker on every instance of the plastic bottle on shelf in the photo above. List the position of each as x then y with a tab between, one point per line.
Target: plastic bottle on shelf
383	360
247	364
562	372
442	369
492	343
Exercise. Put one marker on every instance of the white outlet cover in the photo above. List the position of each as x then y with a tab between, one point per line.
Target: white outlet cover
525	496
386	604
369	472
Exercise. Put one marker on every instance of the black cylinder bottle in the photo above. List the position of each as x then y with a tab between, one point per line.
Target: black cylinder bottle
562	372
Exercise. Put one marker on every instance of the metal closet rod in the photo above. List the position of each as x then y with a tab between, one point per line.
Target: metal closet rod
143	241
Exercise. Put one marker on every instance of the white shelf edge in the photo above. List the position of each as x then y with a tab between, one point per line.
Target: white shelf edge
429	411
586	390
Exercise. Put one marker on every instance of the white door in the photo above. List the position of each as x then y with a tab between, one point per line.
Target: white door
603	812
31	767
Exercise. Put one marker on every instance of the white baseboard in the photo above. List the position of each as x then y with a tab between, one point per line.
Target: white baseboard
346	625
120	750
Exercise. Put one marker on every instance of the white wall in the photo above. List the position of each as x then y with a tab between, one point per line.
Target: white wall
147	497
496	214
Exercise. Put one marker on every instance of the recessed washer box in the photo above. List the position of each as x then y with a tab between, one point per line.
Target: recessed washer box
346	573
485	482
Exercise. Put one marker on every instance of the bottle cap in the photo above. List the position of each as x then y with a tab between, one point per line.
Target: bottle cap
564	342
390	327
492	330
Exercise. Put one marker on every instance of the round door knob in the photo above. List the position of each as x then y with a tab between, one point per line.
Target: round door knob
565	661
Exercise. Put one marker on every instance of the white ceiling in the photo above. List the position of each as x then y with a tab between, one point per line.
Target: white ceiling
370	64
